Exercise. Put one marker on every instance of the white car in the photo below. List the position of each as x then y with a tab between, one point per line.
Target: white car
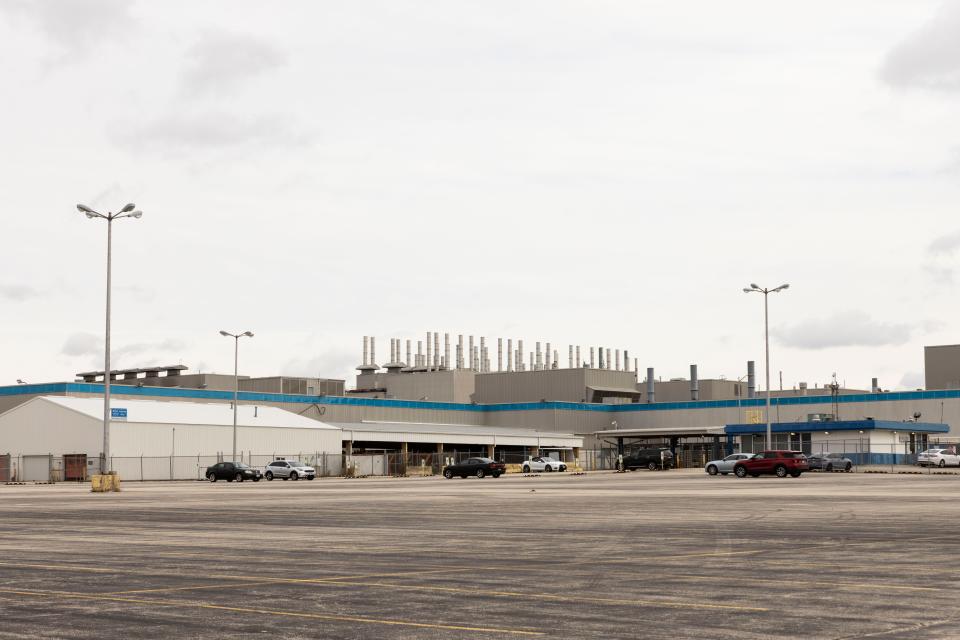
543	464
725	465
938	457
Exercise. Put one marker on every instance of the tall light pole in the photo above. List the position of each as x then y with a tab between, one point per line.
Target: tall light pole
128	211
766	343
236	379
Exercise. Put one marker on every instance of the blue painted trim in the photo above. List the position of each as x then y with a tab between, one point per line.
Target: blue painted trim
249	396
839	425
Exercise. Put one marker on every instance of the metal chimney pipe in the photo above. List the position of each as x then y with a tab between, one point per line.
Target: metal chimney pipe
626	360
617	360
694	383
366	350
419	353
874	387
608	358
407	361
446	351
476	358
499	354
556	359
483	353
591	357
460	351
520	365
548	360
510	356
373	351
539	357
751	379
578	356
531	362
651	389
470	354
570	357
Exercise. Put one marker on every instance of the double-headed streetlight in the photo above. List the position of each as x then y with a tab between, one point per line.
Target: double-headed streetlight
766	343
128	211
236	379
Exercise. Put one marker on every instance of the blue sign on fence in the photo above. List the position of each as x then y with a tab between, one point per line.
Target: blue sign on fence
118	413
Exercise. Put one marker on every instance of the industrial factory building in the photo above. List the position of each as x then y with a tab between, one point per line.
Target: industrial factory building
468	395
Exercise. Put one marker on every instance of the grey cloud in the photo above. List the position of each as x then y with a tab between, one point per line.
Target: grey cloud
17	293
82	344
946	244
210	131
842	329
220	62
930	57
87	344
332	363
78	25
912	380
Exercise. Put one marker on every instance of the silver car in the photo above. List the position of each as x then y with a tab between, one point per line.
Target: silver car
292	469
725	466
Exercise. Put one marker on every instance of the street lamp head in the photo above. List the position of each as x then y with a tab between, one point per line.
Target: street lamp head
91	215
249	334
748	290
753	286
85	209
782	287
224	333
136	214
128	207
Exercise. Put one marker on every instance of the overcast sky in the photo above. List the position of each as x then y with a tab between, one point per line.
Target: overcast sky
596	173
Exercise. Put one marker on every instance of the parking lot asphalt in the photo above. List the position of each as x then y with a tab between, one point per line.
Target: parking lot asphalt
672	554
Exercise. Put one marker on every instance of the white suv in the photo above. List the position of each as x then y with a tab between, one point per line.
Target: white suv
292	469
543	464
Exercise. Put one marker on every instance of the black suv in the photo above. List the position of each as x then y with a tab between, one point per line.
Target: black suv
653	459
231	471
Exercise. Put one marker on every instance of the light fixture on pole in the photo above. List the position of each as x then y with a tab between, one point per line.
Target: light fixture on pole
766	343
236	379
128	211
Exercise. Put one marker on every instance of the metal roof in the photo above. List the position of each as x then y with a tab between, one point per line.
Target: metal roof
839	425
635	392
201	413
680	432
454	433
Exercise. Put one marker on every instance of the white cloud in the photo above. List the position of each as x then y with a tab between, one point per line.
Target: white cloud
947	244
181	133
929	57
82	344
842	329
220	62
77	26
17	292
912	380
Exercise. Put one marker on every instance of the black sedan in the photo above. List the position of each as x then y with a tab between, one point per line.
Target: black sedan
231	471
479	467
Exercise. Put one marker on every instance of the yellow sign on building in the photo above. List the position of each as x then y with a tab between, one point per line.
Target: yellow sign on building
755	416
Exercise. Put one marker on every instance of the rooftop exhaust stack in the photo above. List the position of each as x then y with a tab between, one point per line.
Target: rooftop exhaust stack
520	365
510	356
460	351
548	362
751	379
694	383
407	361
570	358
617	360
874	387
578	356
591	357
499	354
446	351
626	360
651	389
436	350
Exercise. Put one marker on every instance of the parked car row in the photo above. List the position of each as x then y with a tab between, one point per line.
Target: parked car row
779	463
239	471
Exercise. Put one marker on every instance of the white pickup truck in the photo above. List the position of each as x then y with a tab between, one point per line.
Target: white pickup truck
543	464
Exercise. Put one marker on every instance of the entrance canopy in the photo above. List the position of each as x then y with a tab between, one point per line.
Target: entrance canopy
662	432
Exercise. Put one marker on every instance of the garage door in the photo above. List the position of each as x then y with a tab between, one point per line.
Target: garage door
36	468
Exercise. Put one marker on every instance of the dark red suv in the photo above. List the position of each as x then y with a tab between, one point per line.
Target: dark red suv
778	463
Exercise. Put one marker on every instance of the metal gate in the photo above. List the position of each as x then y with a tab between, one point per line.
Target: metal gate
74	466
5	468
37	468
